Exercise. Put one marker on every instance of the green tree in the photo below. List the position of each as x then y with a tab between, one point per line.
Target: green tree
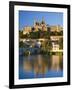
61	43
20	34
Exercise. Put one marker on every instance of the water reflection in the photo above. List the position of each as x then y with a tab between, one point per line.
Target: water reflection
55	63
41	66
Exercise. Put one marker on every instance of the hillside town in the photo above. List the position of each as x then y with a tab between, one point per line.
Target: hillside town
41	38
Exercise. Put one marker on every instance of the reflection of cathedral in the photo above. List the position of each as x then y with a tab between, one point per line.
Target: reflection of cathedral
41	66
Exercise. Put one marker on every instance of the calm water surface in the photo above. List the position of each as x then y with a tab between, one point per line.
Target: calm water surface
40	66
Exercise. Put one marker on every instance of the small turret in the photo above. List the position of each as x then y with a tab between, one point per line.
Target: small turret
34	22
43	21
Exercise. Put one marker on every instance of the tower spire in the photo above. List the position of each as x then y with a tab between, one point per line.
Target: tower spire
34	21
43	19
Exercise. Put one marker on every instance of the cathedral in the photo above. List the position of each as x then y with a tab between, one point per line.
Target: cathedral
36	27
41	26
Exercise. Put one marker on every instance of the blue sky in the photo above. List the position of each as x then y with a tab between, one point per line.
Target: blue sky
26	18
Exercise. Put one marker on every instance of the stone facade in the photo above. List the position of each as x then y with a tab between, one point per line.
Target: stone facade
41	26
26	30
56	28
44	27
36	27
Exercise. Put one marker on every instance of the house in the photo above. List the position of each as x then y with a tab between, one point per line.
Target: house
55	46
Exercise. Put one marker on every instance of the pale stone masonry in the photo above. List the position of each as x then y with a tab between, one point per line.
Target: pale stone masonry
41	26
44	27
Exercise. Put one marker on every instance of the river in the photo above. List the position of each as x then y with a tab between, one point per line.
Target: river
40	66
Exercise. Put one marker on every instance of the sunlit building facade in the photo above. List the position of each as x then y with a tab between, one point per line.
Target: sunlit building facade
44	27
